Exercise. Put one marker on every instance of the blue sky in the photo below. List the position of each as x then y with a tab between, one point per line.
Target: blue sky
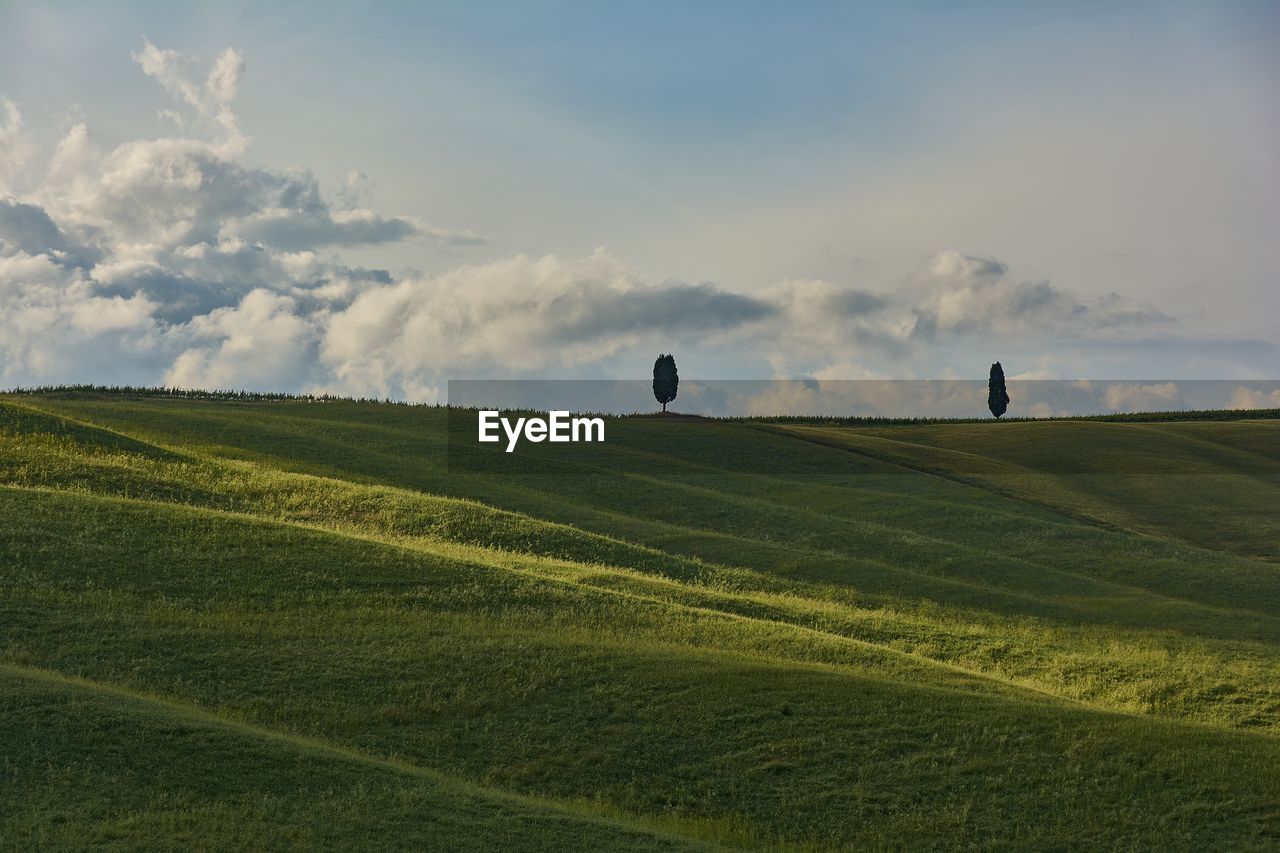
1120	155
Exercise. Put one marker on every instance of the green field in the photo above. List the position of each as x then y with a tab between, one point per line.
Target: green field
288	624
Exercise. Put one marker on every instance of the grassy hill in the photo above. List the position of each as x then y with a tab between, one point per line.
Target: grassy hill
287	623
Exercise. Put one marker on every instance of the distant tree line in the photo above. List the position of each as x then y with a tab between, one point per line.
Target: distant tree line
1125	417
197	394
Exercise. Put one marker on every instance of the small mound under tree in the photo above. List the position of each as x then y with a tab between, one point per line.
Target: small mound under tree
997	394
665	380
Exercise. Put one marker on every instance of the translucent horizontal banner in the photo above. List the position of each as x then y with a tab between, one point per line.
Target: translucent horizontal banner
868	398
835	428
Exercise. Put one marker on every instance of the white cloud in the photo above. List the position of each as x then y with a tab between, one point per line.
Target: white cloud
1135	397
261	344
169	259
73	156
172	260
54	326
515	316
1244	397
15	149
954	266
963	295
174	71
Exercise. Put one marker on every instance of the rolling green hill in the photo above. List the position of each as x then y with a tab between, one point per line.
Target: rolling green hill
289	624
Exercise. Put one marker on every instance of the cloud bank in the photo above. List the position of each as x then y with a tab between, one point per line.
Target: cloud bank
172	260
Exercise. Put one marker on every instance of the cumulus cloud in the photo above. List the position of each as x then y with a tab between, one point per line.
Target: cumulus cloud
969	270
53	323
517	315
827	330
1244	397
963	295
820	326
173	260
174	71
15	149
229	345
170	259
1135	397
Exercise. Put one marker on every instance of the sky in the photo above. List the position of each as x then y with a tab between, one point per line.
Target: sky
372	199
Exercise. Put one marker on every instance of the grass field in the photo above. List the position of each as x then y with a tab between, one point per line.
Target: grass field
289	624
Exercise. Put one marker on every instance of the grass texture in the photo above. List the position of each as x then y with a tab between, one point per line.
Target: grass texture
253	623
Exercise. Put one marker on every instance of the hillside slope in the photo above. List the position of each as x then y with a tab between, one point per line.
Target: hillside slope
289	623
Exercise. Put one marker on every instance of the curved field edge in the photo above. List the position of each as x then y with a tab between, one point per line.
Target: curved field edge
183	776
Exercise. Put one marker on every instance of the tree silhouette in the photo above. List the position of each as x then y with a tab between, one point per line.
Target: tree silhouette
997	395
665	380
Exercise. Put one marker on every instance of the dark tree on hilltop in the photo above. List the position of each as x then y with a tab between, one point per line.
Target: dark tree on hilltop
665	380
997	395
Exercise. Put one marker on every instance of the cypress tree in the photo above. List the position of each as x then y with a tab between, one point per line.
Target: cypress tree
997	394
665	380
